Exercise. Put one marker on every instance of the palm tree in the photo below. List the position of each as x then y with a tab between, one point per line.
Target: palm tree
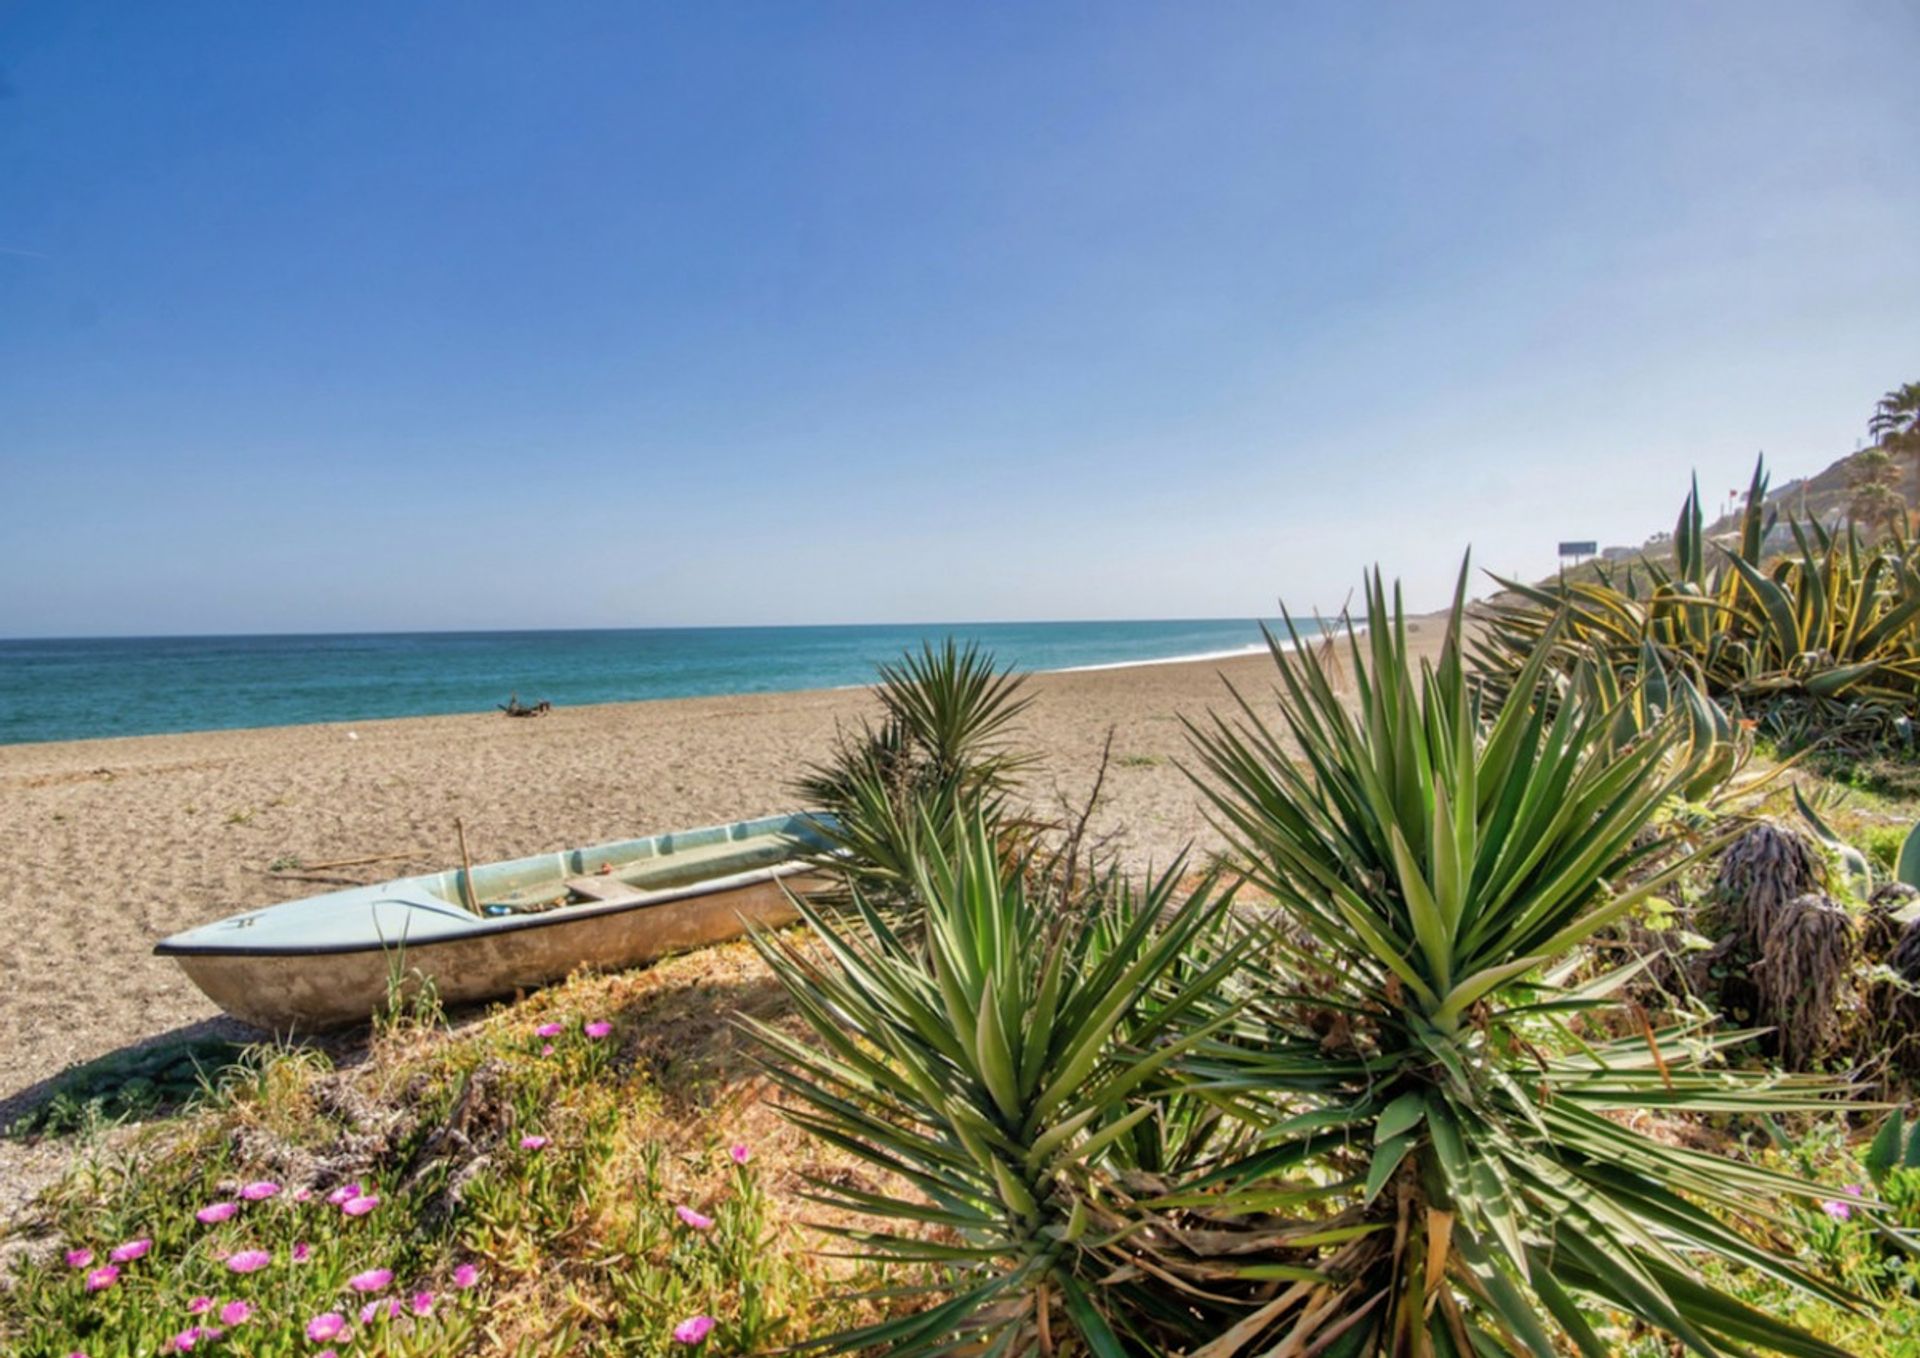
1872	498
1895	425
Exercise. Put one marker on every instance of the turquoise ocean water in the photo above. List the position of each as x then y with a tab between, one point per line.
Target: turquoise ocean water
120	686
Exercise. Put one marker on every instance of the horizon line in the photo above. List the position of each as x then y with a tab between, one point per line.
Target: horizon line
1310	615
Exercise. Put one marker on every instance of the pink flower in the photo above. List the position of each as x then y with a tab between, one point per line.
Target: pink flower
697	1220
249	1261
303	1194
532	1143
102	1278
1841	1211
342	1193
199	1305
235	1313
371	1311
215	1211
327	1325
327	1353
127	1253
549	1030
260	1191
371	1281
360	1206
422	1303
302	1252
692	1330
465	1276
79	1258
598	1029
187	1338
740	1153
547	1050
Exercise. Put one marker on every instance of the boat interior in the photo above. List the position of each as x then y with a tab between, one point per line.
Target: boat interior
619	884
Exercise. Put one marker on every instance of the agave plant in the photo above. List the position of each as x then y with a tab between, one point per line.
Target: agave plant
1435	1088
940	751
1824	638
1710	747
1001	1066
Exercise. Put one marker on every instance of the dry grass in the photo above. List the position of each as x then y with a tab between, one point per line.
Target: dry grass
578	1242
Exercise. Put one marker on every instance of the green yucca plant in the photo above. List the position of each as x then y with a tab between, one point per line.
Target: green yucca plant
1819	639
1431	1084
1004	1065
940	750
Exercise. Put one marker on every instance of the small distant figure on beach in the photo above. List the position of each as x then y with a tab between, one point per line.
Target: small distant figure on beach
513	707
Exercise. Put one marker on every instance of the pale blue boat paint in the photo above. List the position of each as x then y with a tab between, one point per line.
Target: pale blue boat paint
415	912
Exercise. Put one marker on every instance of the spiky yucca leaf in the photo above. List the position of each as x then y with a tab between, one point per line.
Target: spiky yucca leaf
939	753
1415	1051
955	704
999	1063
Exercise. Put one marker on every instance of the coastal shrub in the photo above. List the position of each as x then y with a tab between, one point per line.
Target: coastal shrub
1009	1064
1819	646
940	752
1438	865
1379	1115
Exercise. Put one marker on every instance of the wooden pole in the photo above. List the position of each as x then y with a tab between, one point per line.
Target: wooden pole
356	862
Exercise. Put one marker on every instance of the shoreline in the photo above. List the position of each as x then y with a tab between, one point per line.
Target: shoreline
1256	649
1200	658
111	688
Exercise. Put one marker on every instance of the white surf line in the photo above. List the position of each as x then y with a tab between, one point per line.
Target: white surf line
1256	648
1199	657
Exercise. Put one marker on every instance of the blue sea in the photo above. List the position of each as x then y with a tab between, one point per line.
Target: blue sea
124	686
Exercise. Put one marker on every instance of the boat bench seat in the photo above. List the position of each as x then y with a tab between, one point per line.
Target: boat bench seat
635	880
608	888
685	866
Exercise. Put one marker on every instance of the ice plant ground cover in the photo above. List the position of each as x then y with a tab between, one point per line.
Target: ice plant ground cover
389	1206
693	1118
672	1112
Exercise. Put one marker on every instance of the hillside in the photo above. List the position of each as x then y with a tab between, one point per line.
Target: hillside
1822	496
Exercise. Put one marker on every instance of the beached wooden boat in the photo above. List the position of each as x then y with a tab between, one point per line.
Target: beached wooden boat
329	961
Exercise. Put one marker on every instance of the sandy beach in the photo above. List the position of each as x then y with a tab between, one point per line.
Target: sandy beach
116	843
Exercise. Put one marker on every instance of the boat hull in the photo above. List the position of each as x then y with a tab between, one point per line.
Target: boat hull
313	992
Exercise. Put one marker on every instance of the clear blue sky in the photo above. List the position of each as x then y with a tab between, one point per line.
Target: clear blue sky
339	316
